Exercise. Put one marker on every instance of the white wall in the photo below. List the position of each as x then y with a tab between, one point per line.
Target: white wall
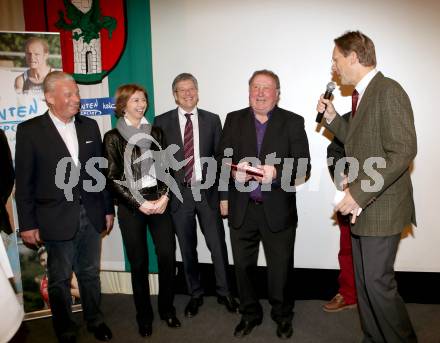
223	42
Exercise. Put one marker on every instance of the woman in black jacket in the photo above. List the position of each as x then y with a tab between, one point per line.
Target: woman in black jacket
142	200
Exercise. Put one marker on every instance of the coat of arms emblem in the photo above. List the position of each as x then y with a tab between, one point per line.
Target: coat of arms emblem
92	36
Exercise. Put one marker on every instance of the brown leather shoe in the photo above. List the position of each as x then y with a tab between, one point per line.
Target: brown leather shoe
337	304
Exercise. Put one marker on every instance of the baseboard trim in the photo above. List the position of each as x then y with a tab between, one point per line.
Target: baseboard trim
414	287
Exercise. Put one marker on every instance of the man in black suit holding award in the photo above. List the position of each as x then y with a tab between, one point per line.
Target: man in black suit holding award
263	208
197	133
61	202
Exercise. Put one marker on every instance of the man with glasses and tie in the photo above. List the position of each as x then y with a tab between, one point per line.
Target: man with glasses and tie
380	134
197	133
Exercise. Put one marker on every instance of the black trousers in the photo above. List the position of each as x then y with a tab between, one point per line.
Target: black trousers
133	225
278	250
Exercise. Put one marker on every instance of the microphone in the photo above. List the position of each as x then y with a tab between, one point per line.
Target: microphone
328	93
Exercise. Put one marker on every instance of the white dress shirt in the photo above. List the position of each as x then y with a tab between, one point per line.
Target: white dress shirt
363	84
68	134
197	175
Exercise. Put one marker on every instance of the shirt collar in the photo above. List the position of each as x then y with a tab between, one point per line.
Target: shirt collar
269	114
57	121
182	112
363	84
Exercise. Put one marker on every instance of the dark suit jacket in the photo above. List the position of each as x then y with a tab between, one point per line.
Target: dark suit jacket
40	203
210	129
285	136
6	181
382	127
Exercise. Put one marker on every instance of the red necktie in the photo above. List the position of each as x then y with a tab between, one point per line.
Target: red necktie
188	148
354	101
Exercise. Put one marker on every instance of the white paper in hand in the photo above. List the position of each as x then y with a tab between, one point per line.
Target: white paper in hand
339	195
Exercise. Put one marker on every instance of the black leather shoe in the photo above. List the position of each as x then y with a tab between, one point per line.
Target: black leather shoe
230	303
172	321
101	332
69	335
193	307
245	327
146	330
284	329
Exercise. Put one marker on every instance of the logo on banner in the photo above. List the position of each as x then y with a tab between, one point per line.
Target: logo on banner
92	36
97	107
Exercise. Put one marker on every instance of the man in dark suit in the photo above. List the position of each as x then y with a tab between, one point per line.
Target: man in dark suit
197	133
61	202
263	208
379	133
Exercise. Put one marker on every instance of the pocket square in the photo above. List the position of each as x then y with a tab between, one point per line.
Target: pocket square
87	142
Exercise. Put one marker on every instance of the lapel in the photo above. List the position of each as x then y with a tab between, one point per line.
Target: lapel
81	136
175	136
366	99
274	126
248	131
53	137
203	133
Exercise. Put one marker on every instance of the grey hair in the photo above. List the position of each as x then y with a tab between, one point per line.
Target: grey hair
52	78
184	77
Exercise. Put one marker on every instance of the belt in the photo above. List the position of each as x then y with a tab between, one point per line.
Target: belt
256	202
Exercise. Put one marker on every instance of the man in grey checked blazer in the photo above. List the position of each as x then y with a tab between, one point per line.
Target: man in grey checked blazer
381	131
